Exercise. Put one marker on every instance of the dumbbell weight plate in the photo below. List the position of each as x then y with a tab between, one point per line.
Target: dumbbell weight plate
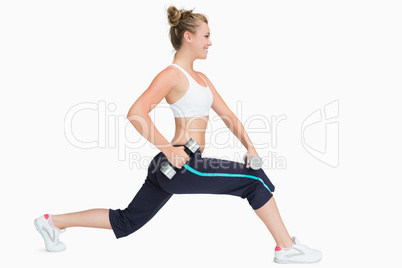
168	170
255	162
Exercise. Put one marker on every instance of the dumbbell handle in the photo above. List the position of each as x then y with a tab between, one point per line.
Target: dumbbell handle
187	150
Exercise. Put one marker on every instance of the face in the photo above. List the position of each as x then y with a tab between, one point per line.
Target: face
200	41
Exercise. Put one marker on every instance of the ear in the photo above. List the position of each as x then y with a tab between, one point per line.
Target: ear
187	36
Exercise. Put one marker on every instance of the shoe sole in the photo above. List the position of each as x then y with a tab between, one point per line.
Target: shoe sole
288	261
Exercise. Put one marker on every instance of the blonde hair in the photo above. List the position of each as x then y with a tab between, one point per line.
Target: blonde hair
181	21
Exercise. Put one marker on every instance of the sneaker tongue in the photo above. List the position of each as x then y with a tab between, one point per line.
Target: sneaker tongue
296	240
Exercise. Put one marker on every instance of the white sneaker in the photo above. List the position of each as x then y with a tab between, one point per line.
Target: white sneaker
298	253
49	234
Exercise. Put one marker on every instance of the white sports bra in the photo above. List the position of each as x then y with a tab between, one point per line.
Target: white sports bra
196	102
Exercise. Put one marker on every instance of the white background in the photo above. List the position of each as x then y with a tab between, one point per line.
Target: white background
276	57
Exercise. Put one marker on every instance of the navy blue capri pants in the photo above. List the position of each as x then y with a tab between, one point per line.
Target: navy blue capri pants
200	175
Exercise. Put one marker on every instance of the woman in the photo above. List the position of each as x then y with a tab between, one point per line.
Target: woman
191	95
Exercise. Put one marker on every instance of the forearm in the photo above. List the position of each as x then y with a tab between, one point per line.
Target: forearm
143	124
237	128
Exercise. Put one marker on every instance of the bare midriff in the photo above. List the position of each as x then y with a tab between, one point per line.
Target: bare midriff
187	127
190	127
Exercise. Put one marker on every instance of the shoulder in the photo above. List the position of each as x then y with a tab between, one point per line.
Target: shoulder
164	81
218	104
204	76
169	71
211	86
167	76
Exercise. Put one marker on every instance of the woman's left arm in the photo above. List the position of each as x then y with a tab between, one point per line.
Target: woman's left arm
230	119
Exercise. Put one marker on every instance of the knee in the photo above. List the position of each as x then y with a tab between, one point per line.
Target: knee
124	222
260	176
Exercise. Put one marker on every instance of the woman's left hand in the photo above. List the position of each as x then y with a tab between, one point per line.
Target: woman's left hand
250	153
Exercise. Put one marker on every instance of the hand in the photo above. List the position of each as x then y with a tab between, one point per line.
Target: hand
250	153
177	156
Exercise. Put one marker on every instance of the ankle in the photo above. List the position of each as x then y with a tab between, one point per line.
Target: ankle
53	221
285	244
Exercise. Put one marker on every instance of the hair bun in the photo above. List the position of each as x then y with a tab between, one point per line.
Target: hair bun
174	16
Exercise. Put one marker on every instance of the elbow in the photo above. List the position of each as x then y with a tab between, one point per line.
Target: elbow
130	113
135	111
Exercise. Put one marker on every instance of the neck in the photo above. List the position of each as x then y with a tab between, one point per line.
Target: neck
185	61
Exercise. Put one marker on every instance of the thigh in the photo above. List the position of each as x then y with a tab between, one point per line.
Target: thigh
215	176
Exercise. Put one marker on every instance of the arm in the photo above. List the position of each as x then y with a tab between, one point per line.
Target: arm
138	115
229	118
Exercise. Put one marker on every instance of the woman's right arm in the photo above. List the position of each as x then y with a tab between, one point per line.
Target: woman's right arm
139	117
138	114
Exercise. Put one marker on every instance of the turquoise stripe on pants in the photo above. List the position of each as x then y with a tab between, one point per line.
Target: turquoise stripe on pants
204	174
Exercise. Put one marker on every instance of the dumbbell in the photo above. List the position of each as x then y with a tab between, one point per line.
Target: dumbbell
190	147
255	162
